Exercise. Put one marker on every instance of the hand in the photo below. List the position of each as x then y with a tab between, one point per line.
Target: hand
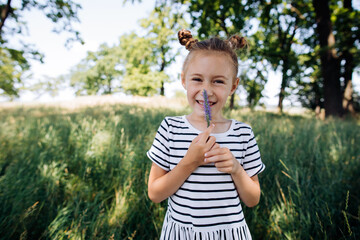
199	146
223	158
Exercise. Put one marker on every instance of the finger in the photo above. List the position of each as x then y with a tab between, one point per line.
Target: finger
225	170
223	164
205	135
215	152
196	139
215	158
216	146
210	143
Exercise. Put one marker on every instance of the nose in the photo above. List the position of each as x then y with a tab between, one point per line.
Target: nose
208	89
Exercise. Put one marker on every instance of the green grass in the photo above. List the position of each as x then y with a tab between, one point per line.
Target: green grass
83	175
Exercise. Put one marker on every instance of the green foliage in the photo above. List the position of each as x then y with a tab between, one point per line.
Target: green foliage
253	87
311	166
281	33
98	71
283	27
83	175
77	175
48	85
221	17
15	62
309	90
345	19
162	26
140	78
137	64
63	13
143	84
127	65
12	66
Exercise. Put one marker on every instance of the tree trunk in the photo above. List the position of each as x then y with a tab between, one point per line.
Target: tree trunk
348	100
232	99
109	86
330	64
162	89
281	99
284	83
4	14
162	68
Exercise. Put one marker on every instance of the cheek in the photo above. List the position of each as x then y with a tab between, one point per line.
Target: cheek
191	94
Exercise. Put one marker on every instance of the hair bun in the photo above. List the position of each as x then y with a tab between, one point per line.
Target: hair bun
237	42
186	39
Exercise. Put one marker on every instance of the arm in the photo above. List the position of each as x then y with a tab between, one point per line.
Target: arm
163	184
247	187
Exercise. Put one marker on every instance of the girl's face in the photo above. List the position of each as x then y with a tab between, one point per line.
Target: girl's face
213	72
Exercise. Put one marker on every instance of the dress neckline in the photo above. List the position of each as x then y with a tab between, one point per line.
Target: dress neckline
223	134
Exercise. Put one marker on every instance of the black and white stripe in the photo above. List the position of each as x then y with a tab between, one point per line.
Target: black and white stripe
207	205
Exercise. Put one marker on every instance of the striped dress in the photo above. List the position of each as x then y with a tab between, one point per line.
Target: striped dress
207	205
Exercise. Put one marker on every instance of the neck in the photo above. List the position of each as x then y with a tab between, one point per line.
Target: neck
221	125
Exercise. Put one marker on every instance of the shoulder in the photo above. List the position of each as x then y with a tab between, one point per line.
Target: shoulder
172	121
175	119
241	127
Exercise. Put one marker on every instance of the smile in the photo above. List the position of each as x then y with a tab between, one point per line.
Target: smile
202	103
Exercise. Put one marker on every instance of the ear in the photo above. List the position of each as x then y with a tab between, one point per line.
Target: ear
234	86
183	80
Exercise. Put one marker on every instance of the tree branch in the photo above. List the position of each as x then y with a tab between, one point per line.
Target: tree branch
4	14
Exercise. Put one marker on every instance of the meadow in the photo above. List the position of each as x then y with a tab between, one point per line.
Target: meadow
82	174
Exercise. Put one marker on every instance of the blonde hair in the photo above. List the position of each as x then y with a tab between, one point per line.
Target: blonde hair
229	46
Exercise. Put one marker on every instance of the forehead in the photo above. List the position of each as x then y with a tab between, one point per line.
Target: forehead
203	58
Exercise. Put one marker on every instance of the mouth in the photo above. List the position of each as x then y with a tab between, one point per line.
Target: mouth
201	102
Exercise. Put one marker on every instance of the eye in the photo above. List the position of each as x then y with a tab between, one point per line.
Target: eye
197	79
219	81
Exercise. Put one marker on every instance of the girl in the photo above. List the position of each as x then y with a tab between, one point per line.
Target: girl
205	171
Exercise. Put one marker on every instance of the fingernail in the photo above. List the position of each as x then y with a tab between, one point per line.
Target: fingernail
205	154
205	160
213	125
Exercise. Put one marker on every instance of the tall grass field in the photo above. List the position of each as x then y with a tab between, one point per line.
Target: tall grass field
82	174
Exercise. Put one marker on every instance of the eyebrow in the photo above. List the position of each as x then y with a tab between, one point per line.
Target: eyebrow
200	75
220	76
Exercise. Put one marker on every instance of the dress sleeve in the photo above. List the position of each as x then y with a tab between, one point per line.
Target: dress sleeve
252	163
159	150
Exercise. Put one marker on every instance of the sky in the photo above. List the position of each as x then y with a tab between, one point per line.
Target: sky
100	22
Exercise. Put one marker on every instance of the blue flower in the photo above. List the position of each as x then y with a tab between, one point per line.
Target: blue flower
207	108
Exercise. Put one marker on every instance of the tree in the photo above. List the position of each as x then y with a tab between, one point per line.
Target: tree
137	63
330	64
162	26
129	66
97	72
348	36
282	24
140	77
14	61
253	87
222	18
12	66
338	53
309	88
